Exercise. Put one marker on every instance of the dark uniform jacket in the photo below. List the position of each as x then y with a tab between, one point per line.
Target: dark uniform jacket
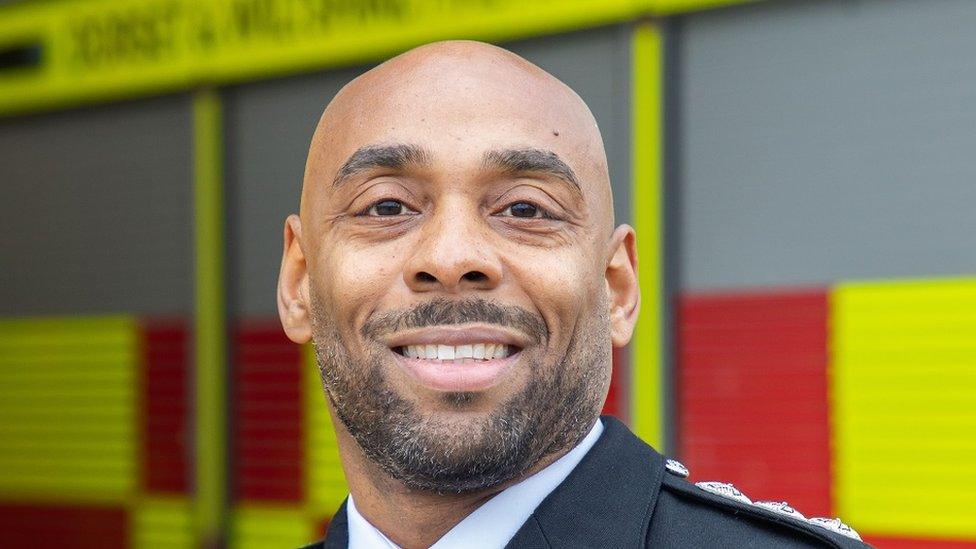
624	494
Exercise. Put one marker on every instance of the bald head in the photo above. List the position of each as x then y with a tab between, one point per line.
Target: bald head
466	95
456	201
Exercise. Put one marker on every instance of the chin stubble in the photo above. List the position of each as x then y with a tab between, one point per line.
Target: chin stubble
549	415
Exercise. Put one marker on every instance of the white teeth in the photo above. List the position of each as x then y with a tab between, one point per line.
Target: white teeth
479	351
445	352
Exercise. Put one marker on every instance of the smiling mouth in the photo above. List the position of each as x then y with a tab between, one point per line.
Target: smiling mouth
458	354
470	365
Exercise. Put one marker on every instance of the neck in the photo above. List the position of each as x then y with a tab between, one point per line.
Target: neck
411	518
414	519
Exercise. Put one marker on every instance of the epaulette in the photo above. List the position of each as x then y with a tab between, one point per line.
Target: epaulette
727	497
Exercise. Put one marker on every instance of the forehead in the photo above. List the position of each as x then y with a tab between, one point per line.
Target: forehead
454	114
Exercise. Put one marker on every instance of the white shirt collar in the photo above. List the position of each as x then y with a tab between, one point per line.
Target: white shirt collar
494	523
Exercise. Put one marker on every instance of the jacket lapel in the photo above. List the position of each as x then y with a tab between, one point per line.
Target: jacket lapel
607	500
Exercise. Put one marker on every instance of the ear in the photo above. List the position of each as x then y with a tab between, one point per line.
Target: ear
293	306
622	286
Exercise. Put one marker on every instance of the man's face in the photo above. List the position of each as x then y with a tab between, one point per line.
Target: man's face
455	235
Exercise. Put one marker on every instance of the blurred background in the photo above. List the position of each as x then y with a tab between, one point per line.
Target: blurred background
800	173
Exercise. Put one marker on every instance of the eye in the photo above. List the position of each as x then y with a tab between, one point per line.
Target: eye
525	210
387	208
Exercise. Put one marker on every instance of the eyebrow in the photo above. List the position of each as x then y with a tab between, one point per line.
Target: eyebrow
522	160
512	161
396	156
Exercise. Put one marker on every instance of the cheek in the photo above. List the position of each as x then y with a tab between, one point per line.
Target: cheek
562	287
355	279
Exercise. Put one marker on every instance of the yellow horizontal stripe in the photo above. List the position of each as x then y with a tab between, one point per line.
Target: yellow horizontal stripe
903	380
162	524
79	338
45	432
680	6
108	467
28	391
68	391
100	50
88	371
89	359
265	527
76	446
69	327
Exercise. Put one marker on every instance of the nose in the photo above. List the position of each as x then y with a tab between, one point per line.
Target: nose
453	254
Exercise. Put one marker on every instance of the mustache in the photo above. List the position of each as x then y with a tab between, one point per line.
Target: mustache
441	312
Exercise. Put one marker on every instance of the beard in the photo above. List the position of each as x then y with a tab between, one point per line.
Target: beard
550	414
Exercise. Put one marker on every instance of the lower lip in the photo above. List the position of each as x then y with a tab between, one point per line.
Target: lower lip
476	375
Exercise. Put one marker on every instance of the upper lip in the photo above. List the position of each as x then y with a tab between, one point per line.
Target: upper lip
458	335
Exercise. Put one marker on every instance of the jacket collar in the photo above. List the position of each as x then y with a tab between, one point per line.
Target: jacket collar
607	500
337	535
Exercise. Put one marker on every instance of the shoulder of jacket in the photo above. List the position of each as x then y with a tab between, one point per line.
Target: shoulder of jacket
725	497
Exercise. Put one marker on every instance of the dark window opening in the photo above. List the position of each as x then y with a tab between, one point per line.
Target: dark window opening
20	56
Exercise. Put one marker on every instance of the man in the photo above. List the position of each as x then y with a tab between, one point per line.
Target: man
456	264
